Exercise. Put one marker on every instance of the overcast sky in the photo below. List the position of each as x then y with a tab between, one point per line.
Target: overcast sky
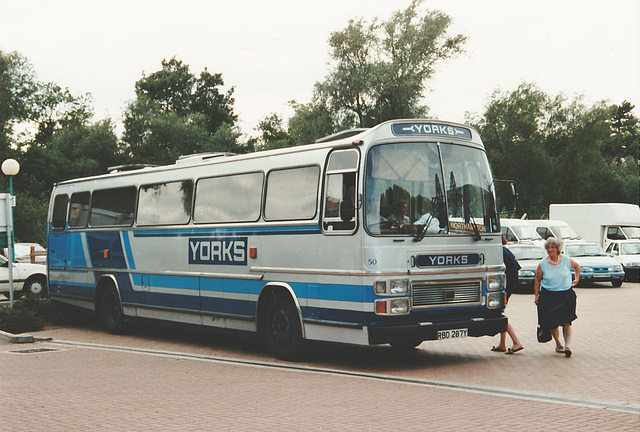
274	51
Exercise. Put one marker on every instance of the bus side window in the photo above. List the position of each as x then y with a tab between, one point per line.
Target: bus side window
79	210
232	198
291	193
165	203
113	207
59	214
340	193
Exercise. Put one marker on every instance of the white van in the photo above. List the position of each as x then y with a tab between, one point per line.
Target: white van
520	231
555	228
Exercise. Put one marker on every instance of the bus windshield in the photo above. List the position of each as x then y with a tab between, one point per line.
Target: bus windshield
425	188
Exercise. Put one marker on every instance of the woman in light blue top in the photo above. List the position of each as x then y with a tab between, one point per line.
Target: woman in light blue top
554	294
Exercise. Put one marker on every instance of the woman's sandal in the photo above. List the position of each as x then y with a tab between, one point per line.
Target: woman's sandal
560	350
567	352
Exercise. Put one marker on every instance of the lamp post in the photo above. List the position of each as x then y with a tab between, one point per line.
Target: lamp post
11	167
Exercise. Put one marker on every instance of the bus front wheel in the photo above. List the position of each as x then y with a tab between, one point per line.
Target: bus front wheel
282	329
110	310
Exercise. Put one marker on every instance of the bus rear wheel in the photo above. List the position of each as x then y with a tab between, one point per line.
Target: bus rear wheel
110	310
282	329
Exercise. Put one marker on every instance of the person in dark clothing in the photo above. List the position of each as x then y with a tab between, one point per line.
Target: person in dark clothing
511	272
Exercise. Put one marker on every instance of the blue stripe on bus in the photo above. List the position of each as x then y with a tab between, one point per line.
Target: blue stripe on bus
126	244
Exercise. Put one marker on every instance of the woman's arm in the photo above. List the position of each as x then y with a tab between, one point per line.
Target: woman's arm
576	268
536	284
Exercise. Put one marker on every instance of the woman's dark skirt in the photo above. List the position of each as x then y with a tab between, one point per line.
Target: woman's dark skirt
556	308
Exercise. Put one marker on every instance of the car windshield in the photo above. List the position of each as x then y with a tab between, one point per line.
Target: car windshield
528	253
526	233
632	232
630	248
584	250
409	191
566	232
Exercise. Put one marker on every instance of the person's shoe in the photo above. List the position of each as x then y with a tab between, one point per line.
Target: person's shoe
567	352
560	350
514	350
498	349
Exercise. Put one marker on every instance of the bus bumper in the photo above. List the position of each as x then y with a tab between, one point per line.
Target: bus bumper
429	331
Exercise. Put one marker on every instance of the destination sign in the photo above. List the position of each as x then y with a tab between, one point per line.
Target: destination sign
447	260
431	129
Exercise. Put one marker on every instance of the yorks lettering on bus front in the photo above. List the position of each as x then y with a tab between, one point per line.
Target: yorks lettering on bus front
430	129
447	260
218	251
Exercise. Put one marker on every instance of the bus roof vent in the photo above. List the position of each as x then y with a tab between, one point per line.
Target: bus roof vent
128	167
200	157
340	135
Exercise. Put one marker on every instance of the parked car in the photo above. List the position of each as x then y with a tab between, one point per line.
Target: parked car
23	253
595	264
27	278
627	253
528	256
520	231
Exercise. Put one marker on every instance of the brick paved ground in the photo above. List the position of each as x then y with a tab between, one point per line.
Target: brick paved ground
77	388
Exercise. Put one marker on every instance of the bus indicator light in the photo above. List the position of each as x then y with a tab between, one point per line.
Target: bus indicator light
381	307
253	253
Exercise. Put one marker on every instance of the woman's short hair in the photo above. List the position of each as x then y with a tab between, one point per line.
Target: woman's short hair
554	241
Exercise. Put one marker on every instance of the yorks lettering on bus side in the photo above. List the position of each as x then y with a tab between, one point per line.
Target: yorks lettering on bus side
218	251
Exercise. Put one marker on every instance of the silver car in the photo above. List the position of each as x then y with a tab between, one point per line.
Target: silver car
528	256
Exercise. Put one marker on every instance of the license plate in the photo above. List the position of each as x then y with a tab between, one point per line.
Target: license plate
601	275
452	334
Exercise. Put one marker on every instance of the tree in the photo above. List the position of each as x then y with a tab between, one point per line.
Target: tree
175	114
55	108
272	134
17	86
624	145
559	150
511	128
381	68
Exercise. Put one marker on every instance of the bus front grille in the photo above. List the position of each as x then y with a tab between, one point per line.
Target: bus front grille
435	294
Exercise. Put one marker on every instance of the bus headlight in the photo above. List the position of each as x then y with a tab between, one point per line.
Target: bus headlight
495	282
380	287
397	306
495	300
399	286
393	287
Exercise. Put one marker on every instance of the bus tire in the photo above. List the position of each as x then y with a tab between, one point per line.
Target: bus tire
35	286
282	328
110	311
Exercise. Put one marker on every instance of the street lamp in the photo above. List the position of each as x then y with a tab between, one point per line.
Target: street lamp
11	167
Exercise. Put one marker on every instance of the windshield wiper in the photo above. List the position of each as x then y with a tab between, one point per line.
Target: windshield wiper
476	232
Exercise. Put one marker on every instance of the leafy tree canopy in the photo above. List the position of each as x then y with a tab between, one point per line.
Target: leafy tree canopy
176	113
380	69
559	150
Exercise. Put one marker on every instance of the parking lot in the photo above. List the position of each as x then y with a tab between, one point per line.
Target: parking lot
174	377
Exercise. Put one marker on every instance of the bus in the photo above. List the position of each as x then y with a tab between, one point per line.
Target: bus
386	235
